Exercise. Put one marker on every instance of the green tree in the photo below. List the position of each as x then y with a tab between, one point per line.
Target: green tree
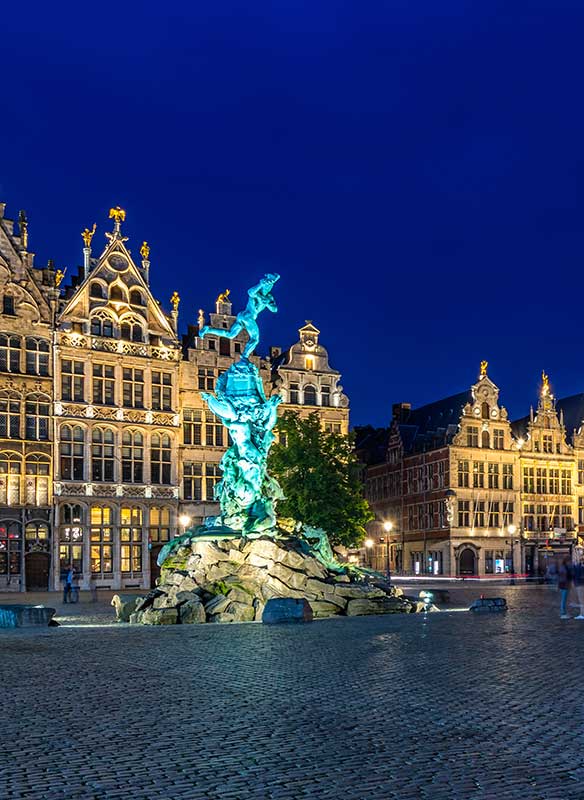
319	474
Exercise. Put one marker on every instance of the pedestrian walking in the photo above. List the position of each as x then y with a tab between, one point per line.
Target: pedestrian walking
68	585
579	585
564	584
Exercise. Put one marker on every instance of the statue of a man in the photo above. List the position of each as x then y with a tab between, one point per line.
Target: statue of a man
260	297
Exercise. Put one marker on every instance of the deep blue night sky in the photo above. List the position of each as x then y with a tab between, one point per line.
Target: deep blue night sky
414	170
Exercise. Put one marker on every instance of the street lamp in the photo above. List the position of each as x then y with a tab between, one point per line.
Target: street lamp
184	521
387	527
369	545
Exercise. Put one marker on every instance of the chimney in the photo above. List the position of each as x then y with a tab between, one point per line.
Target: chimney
401	411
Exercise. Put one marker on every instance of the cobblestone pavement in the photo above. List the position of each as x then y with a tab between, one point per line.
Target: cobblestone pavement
445	706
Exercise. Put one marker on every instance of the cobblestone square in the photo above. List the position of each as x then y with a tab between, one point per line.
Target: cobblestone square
438	707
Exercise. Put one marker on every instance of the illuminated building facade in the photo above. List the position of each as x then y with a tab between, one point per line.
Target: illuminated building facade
106	448
468	493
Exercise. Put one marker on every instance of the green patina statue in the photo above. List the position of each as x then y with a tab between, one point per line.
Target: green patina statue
247	494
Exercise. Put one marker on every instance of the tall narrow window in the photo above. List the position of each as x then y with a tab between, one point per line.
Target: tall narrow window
206	378
294	393
325	394
10	479
213	430
8	305
71	453
224	347
485	439
37	469
131	540
72	380
37	417
463	473
96	290
566	481
159	524
102	454
507	476
10	416
104	384
472	436
9	353
160	453
478	474
37	356
132	457
493	474
133	387
192	426
101	537
161	391
212	478
309	396
499	439
71	538
193	481
10	547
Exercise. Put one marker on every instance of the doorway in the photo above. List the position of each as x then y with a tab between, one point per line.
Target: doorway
36	567
467	562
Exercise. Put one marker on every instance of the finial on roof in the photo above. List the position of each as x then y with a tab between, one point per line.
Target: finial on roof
145	251
87	235
201	318
23	225
484	365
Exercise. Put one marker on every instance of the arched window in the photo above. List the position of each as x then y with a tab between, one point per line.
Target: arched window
10	478
485	411
132	457
136	298
309	396
160	452
37	356
116	294
137	334
9	353
485	439
37	408
102	454
96	290
159	524
37	470
131	539
36	533
10	415
101	537
72	514
71	452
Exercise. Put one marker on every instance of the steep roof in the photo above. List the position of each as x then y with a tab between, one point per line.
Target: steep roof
434	424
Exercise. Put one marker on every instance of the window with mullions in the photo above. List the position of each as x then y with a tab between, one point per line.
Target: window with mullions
160	452
212	478
102	326
71	453
72	380
498	439
10	417
206	379
133	387
102	454
325	395
472	436
529	480
493	476
37	417
104	382
71	538
131	539
479	514
10	548
132	332
9	353
10	479
294	393
507	476
508	510
132	457
161	391
37	356
566	484
309	396
37	472
192	426
101	540
478	474
159	524
463	513
494	515
463	473
193	481
213	430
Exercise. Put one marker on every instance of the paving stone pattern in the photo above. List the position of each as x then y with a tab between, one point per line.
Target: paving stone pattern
444	706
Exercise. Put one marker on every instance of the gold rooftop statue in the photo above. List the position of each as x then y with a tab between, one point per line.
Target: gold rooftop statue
87	235
145	251
117	214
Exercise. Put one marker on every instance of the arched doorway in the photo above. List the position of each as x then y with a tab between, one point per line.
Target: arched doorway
37	571
467	562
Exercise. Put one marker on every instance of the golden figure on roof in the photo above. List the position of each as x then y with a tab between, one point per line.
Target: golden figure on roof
59	275
484	365
145	251
224	297
117	214
87	235
175	300
545	389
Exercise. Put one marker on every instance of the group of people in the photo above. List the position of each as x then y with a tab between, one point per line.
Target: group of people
569	575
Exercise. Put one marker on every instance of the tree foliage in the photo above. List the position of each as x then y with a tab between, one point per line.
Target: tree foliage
319	474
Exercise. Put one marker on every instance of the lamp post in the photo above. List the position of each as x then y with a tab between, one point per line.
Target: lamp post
512	530
369	545
387	527
184	521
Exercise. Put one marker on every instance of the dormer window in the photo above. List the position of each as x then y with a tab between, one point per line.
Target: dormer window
136	298
96	291
8	305
116	294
